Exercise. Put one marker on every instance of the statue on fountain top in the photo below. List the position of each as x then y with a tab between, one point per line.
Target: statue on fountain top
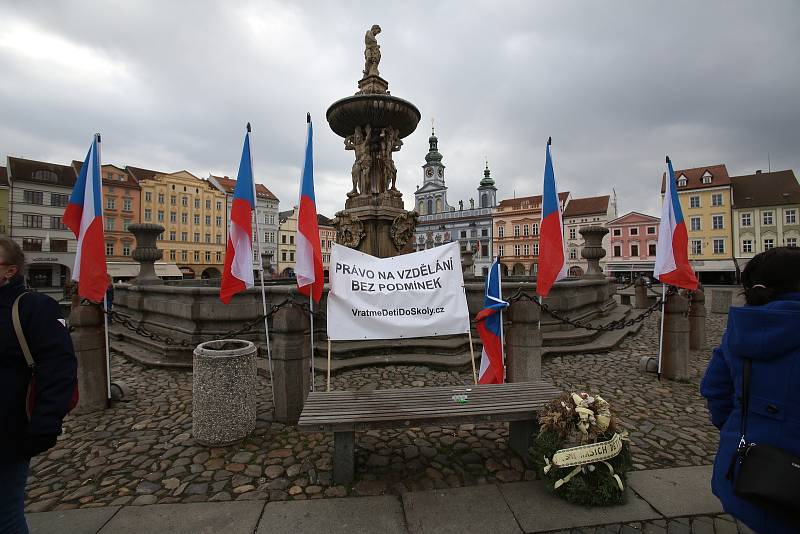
372	51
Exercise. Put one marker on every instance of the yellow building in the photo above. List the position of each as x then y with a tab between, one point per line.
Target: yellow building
706	199
287	231
193	214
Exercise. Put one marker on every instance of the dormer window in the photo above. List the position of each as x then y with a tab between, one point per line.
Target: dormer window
682	181
45	176
707	178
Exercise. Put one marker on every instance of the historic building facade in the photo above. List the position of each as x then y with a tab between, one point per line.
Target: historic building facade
39	193
516	229
287	233
327	237
266	215
766	213
580	212
4	226
194	217
706	201
631	247
441	223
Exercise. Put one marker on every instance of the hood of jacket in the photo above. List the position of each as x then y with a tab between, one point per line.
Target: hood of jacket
765	332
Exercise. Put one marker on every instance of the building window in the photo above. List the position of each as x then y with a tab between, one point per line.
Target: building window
196	219
767	219
57	199
208	256
535	229
616	232
291	255
219	206
651	249
791	216
516	230
160	216
525	230
197	237
184	236
746	220
161	198
127	204
219	256
572	233
207	219
526	249
208	238
148	214
617	251
516	250
635	250
148	196
716	199
717	222
184	255
791	241
57	223
196	256
697	246
32	221
172	255
651	230
184	218
111	203
769	243
719	246
707	178
573	254
500	250
747	246
173	217
634	231
109	249
682	181
536	249
694	202
694	224
219	239
126	249
291	239
110	223
172	235
173	200
185	201
32	244
501	231
219	222
58	245
33	197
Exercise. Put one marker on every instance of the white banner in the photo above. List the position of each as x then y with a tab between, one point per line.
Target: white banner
413	295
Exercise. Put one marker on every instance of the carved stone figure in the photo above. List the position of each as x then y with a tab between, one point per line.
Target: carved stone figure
472	203
460	205
390	142
372	51
402	230
349	229
359	142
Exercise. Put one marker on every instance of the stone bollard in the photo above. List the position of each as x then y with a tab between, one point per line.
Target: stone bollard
88	338
721	300
291	360
640	290
697	321
675	354
223	391
523	342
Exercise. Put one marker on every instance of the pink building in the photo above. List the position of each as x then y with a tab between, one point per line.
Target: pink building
632	245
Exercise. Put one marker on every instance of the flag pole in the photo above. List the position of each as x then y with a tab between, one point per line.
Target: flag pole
502	333
329	364
472	355
311	315
261	273
105	295
661	335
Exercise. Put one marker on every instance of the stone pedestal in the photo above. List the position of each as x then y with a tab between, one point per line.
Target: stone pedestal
593	250
146	252
675	354
223	391
523	342
378	230
640	292
697	321
291	362
88	338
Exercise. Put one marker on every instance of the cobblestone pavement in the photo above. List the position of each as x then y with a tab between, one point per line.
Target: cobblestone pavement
141	451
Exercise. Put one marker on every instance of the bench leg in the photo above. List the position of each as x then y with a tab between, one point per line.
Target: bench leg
519	437
344	458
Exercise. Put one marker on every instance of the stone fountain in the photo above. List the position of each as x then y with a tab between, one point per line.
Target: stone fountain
373	124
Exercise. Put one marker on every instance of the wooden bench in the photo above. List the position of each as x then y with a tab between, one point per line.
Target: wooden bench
345	412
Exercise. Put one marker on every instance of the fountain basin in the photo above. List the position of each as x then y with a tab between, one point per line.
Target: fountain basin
377	110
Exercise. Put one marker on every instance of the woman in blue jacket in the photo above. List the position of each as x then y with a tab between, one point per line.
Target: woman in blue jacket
766	330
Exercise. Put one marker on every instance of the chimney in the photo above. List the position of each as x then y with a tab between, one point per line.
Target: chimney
758	171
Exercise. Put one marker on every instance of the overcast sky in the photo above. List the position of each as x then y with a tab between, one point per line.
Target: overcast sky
170	85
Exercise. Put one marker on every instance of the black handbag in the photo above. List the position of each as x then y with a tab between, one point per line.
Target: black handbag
767	476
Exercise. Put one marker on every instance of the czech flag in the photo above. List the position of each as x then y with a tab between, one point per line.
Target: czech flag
490	327
552	266
672	251
84	216
308	269
238	273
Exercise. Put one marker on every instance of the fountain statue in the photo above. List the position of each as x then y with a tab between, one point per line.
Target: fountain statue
373	123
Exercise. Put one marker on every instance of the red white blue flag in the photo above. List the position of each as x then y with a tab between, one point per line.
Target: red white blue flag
552	266
672	251
490	327
308	269
84	216
238	272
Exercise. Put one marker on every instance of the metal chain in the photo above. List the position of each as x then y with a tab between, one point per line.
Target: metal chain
619	324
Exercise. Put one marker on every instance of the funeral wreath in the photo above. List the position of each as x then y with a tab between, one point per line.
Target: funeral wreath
579	452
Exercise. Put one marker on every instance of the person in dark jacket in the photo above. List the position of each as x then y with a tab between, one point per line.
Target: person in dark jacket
767	331
56	378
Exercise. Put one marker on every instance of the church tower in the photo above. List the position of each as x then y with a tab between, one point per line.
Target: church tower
431	198
487	192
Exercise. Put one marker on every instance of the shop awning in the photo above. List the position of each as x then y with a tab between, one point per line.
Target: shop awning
713	265
131	269
627	267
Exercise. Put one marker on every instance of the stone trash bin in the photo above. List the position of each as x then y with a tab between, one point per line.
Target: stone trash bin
223	391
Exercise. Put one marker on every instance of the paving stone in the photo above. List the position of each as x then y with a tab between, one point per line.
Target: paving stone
83	521
198	518
677	492
459	510
340	516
